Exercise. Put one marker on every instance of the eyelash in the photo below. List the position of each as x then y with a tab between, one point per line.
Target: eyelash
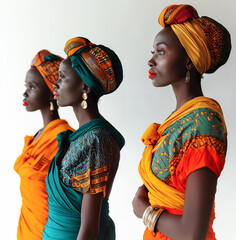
30	87
158	51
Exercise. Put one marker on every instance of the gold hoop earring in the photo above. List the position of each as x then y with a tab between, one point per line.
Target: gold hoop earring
187	78
51	107
84	104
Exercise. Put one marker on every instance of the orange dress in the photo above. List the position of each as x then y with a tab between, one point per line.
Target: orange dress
192	138
32	166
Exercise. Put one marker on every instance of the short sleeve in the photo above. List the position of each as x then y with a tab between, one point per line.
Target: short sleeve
87	164
205	151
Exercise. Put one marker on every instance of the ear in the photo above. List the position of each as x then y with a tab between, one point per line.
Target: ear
85	88
189	64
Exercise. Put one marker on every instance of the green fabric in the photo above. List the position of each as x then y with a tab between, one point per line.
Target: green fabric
88	77
208	123
98	123
50	58
85	74
64	215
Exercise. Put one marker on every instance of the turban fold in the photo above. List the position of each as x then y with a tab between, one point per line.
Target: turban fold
98	66
48	66
206	41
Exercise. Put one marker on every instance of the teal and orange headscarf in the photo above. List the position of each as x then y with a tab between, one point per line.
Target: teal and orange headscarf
98	66
48	66
206	41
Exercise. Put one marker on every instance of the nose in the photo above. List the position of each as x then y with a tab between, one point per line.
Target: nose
25	93
151	62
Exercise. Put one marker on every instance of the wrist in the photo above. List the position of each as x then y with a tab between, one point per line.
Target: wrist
151	216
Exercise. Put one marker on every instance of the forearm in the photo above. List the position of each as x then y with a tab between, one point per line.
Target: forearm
177	228
141	208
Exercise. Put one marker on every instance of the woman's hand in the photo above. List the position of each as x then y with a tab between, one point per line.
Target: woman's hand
140	201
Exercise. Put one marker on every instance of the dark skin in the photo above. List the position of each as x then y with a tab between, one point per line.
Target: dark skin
69	89
37	96
171	63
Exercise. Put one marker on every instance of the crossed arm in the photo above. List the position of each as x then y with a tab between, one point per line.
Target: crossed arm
199	199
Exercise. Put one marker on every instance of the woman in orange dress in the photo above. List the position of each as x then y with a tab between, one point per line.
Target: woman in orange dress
184	156
39	150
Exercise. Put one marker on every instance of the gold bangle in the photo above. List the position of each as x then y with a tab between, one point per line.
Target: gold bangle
160	211
152	223
154	216
149	218
147	213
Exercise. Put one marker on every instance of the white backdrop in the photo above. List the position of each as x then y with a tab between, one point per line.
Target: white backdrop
128	27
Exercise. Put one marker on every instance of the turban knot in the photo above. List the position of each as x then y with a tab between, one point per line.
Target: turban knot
206	41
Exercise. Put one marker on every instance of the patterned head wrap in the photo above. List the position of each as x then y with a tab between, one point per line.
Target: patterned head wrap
206	41
48	66
98	66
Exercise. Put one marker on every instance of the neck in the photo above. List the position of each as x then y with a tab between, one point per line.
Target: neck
86	115
48	117
186	91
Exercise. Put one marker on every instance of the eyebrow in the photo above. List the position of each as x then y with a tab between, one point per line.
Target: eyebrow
31	82
161	43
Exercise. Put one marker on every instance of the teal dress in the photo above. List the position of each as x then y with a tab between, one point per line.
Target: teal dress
67	179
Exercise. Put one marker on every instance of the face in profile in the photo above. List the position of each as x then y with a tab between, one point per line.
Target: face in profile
68	88
37	94
168	63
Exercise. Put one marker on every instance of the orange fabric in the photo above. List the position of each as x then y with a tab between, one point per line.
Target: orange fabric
32	166
159	193
174	14
206	41
74	44
198	154
193	39
48	66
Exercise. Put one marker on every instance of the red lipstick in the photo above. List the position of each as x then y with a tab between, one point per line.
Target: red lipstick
25	103
55	95
151	74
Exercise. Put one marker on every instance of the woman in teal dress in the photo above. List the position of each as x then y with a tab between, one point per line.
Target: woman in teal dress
80	177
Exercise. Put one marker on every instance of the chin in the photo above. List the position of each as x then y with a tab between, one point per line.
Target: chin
30	110
158	84
155	84
61	104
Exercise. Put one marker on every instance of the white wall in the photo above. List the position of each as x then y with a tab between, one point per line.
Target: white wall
128	27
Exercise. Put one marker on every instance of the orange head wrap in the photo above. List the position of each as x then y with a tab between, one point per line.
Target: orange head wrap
206	41
97	65
48	66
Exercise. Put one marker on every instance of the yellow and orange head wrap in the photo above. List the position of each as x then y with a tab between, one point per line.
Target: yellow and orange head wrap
98	66
48	66
206	41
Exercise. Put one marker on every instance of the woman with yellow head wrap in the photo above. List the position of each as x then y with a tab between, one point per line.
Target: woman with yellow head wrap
32	165
184	156
80	177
